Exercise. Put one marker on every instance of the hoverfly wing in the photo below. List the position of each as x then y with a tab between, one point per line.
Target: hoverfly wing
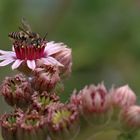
25	28
25	25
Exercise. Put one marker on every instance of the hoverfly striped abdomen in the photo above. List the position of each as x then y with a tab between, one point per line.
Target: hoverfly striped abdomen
17	36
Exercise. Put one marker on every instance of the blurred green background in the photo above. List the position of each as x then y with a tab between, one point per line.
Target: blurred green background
103	34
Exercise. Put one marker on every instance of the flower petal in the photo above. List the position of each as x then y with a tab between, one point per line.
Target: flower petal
6	62
53	48
53	61
7	56
5	52
31	64
3	57
16	64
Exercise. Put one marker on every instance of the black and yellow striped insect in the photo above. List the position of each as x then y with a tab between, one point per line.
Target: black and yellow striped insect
25	35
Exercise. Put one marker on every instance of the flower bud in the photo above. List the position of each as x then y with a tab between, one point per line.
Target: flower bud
130	118
16	91
63	121
45	78
76	98
9	125
123	97
95	104
32	126
65	58
41	102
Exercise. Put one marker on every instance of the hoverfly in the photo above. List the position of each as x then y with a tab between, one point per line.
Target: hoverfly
25	35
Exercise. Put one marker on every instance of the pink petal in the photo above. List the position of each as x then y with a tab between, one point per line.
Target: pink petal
7	56
31	64
6	62
45	61
5	52
16	64
3	57
53	48
53	61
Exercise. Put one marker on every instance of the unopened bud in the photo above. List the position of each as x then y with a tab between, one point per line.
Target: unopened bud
95	104
9	125
76	98
123	97
32	126
130	118
41	102
16	91
63	121
45	78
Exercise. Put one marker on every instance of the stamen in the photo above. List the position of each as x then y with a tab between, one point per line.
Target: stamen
29	52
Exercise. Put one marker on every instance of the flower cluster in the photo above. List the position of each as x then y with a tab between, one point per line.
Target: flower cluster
38	113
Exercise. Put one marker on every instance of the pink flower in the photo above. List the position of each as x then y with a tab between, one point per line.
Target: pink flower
31	55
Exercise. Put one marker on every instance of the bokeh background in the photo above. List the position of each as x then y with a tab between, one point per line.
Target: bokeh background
103	34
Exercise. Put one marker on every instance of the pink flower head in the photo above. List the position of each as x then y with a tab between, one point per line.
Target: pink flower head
30	55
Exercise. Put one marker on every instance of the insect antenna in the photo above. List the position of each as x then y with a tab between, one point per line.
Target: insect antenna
45	36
